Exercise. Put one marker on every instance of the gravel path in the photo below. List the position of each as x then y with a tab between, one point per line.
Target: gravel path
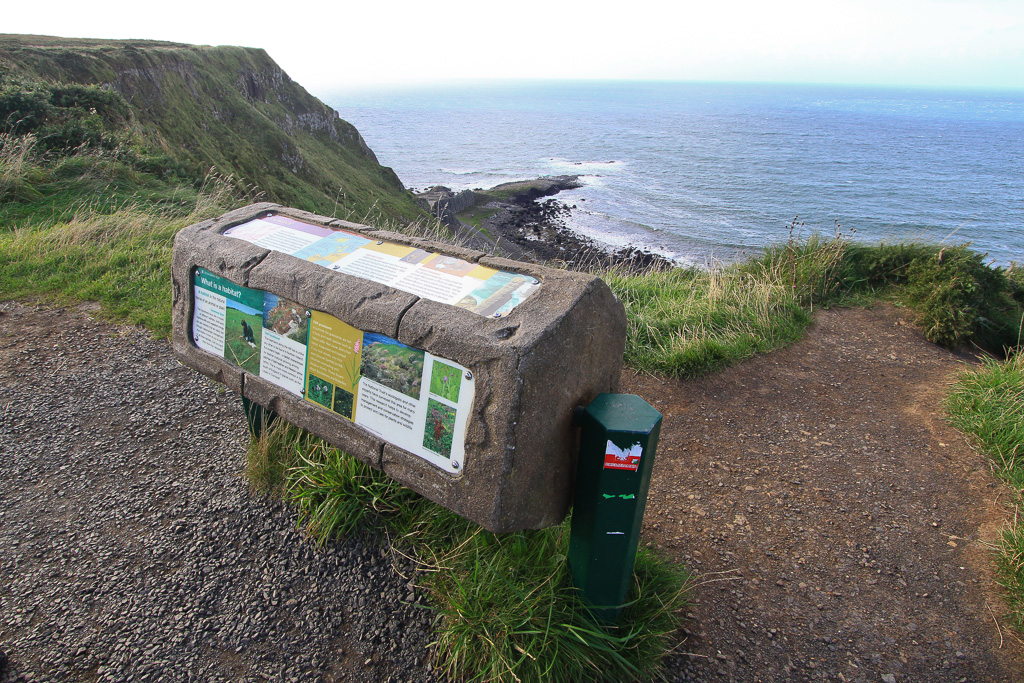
132	548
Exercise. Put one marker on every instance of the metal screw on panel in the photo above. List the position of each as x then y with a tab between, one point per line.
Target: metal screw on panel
308	314
380	242
336	267
469	375
497	315
536	281
456	465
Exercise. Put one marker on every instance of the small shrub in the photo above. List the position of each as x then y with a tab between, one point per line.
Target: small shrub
956	298
64	117
108	104
1015	278
24	106
882	265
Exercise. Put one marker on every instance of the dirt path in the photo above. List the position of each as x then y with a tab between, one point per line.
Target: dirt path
839	525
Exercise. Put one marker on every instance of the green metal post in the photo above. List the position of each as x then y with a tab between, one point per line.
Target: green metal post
258	417
618	438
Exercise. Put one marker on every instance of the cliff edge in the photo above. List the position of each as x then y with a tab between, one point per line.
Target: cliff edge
230	108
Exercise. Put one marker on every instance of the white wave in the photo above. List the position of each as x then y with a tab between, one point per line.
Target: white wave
614	234
584	167
590	181
458	180
460	171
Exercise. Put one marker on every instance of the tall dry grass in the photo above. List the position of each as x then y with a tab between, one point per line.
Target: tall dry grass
17	155
688	321
118	255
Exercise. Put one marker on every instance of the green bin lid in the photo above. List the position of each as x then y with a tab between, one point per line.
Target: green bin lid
624	413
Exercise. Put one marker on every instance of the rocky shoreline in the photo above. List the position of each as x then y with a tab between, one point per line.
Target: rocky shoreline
523	221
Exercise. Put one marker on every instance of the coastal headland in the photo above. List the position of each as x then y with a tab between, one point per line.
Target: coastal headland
523	220
840	527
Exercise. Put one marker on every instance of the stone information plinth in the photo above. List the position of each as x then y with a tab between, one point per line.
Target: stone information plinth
454	372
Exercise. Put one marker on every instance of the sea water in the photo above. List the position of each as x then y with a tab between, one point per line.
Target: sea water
710	172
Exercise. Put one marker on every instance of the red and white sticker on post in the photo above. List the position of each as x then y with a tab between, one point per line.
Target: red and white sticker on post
628	459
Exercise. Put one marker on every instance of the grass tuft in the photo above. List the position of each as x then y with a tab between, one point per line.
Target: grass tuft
506	609
1010	567
338	495
686	322
808	271
16	154
116	253
508	612
268	459
989	405
690	321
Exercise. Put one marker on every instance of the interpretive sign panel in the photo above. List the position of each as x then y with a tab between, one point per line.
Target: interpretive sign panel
410	398
453	371
432	276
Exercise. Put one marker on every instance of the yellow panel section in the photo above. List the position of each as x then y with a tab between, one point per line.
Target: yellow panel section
335	352
481	272
389	248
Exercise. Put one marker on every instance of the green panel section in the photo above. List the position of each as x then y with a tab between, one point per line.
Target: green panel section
618	440
253	298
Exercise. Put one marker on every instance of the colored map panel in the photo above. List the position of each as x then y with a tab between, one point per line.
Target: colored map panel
329	249
436	277
499	293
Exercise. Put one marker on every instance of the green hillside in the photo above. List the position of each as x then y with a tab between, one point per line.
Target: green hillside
108	148
233	109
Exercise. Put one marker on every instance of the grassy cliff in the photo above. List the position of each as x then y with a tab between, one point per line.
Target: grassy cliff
229	108
107	148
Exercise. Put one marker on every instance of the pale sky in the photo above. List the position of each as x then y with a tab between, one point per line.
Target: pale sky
332	46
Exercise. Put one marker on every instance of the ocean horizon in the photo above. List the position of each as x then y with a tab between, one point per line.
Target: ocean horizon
710	172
